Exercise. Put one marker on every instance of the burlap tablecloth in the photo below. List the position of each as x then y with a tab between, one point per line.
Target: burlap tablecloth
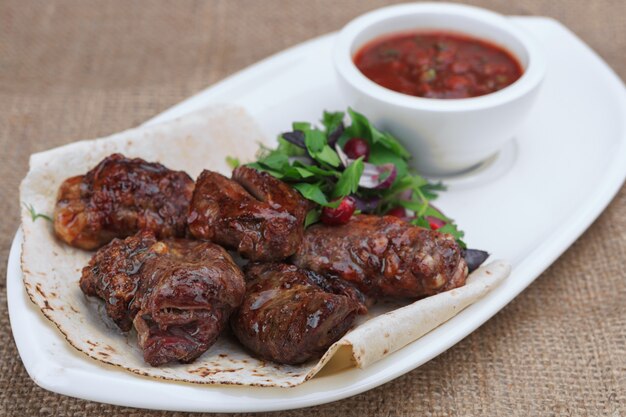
78	69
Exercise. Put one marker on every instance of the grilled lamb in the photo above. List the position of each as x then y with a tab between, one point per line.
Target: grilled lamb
177	293
253	213
384	257
287	317
119	197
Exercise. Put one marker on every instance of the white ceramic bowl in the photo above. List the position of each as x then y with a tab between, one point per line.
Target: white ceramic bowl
445	136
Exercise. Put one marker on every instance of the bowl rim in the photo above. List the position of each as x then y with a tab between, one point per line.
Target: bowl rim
344	64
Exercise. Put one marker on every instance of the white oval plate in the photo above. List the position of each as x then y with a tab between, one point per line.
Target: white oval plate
525	206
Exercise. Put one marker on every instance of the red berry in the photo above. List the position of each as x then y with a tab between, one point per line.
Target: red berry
356	148
397	212
435	223
339	215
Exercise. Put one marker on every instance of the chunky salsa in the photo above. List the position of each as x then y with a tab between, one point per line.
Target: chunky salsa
437	65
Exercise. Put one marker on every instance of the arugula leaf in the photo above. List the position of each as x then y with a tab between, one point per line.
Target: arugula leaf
348	183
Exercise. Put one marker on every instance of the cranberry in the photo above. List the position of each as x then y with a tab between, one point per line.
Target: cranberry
341	214
435	223
397	212
356	148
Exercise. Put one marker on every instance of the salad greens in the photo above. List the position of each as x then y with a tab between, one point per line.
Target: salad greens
313	161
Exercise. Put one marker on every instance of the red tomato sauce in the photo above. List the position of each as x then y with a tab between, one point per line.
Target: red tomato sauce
437	65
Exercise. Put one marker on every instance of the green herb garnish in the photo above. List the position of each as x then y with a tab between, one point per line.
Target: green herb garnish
312	160
232	162
34	215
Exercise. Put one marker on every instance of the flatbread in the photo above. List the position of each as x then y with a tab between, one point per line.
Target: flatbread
193	142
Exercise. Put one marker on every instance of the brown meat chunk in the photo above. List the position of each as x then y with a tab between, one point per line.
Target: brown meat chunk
177	293
119	197
384	257
287	318
113	274
187	298
253	213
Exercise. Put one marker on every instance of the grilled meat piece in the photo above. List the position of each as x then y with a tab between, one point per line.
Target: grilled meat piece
287	318
384	257
178	293
119	197
253	213
187	296
113	274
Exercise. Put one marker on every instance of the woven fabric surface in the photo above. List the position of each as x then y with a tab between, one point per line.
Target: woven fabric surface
78	69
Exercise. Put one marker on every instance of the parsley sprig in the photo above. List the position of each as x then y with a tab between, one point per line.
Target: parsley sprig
308	159
34	215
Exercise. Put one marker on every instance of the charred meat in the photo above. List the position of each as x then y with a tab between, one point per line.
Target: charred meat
253	213
384	257
288	318
186	298
119	197
177	293
113	275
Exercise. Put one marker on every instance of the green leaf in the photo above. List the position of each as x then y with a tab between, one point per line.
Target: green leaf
315	140
312	217
304	173
418	207
430	190
433	212
276	161
331	120
314	169
361	127
421	222
380	155
303	126
314	193
232	162
328	156
451	228
287	148
261	167
349	181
